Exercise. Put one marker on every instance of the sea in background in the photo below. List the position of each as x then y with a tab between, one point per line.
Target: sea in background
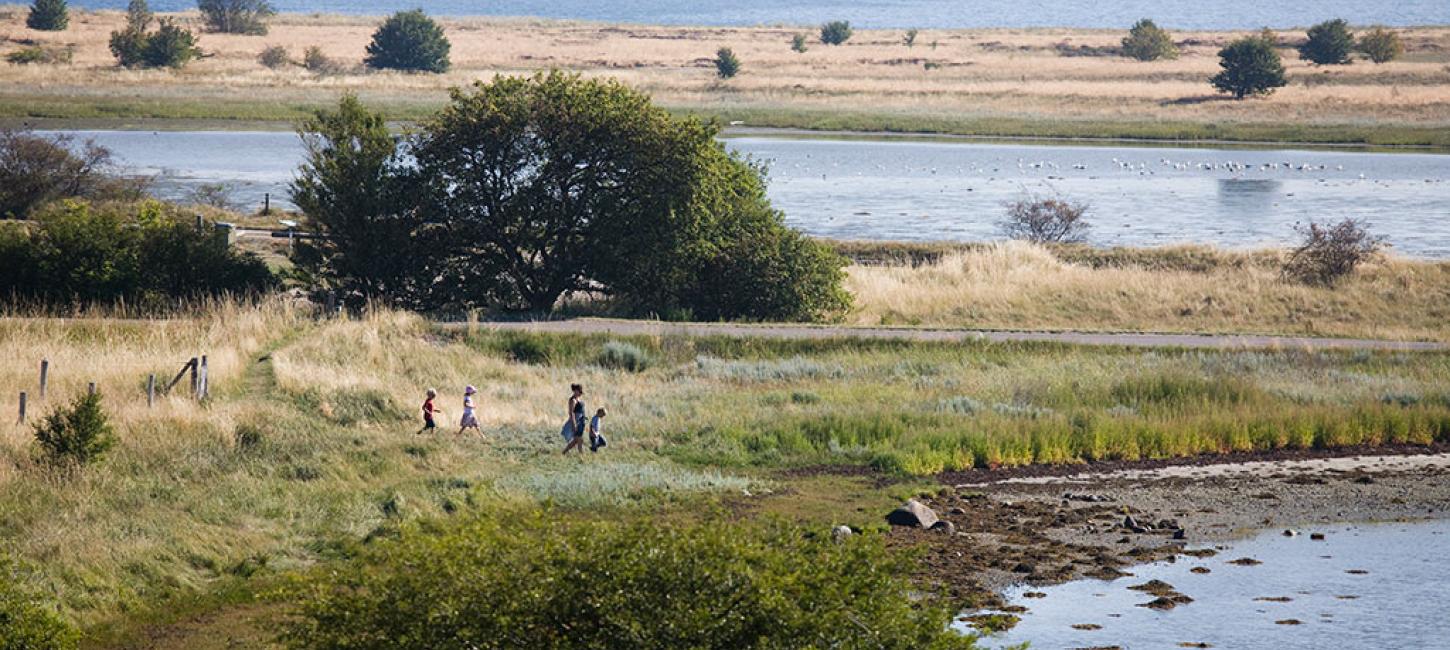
934	14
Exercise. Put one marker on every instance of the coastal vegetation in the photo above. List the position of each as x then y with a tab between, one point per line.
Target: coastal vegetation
1146	41
984	82
305	454
1251	66
409	41
236	16
48	16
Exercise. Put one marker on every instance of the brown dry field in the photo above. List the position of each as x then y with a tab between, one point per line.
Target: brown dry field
998	73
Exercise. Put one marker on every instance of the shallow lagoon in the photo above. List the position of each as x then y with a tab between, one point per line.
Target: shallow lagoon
1401	600
917	189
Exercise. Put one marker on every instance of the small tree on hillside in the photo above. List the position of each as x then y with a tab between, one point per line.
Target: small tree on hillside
836	32
236	16
1251	66
1327	254
1147	41
48	16
1330	43
138	15
726	64
1045	220
1381	45
78	434
910	38
409	40
798	43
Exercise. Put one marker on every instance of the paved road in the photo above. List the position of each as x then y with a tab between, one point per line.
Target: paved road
1220	341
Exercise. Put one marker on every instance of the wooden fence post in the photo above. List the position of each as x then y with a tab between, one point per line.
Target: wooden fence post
22	407
192	365
204	379
91	388
44	376
150	389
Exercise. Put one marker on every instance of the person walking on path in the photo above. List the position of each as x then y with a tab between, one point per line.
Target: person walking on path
596	431
470	419
428	412
577	419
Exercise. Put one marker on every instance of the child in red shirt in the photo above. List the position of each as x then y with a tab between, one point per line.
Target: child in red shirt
428	411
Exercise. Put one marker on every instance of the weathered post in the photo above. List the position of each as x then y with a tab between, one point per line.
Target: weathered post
199	222
204	379
192	365
150	389
91	388
44	376
22	407
267	203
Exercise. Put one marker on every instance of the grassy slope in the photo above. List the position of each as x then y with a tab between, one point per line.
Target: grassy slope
999	82
185	506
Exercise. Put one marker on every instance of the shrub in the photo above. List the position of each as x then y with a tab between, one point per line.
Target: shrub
1329	253
26	622
1330	43
910	38
138	15
726	63
315	61
619	355
409	40
1251	66
553	584
138	253
169	46
836	32
236	16
1045	220
212	195
35	170
1381	45
275	57
38	54
1147	41
78	434
48	16
798	43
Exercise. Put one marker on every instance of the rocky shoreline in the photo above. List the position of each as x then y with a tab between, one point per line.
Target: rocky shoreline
1039	529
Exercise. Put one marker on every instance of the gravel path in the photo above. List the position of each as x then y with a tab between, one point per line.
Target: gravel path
785	331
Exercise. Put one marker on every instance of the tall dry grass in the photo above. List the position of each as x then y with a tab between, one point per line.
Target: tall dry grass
1016	285
1009	73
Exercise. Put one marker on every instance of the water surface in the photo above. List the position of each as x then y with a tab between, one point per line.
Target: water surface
1180	14
955	191
1401	600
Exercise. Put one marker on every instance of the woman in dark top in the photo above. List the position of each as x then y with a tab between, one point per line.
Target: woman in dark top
577	419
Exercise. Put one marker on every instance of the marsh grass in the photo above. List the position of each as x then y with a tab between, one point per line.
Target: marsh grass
1015	285
307	446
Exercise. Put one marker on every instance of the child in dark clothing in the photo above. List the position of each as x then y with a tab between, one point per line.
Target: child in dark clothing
428	412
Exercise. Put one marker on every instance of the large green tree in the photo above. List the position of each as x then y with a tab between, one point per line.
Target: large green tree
524	190
1251	66
356	194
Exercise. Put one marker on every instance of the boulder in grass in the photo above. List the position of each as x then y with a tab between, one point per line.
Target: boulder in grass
913	514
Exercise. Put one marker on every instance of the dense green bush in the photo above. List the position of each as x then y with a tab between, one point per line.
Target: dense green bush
529	189
409	40
48	16
836	32
77	434
798	43
533	580
35	170
145	253
1381	45
40	54
170	46
1147	41
26	622
727	64
236	16
1329	43
1251	66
